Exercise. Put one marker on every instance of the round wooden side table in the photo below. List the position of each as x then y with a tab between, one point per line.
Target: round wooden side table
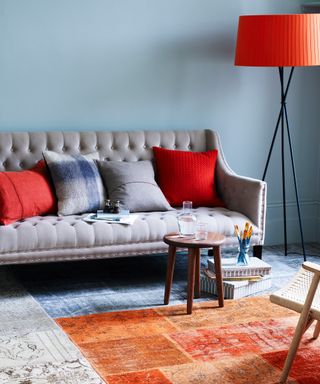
175	241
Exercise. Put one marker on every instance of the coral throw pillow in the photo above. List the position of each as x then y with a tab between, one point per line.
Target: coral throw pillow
25	194
184	175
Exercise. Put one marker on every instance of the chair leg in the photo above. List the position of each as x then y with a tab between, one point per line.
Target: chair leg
300	329
316	330
309	323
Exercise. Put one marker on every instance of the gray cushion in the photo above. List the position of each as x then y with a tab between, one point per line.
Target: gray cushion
133	184
77	182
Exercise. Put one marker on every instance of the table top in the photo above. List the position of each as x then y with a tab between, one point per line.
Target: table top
176	240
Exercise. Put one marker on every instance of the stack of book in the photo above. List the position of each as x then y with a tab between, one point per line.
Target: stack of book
239	281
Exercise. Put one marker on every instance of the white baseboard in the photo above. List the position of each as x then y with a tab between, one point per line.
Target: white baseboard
310	222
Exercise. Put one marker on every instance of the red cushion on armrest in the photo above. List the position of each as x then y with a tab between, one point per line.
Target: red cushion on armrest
26	193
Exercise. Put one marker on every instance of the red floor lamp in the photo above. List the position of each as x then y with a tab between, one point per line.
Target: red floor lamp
280	41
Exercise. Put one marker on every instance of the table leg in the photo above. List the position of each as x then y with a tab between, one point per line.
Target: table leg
197	274
191	278
217	267
170	271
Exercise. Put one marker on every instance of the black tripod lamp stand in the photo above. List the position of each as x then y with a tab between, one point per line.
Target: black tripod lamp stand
280	41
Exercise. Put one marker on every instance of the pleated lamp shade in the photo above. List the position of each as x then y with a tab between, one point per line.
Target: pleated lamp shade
278	40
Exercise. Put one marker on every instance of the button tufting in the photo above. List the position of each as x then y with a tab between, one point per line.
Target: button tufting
174	146
144	146
63	149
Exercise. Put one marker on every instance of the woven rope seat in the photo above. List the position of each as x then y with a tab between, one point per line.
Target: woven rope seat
293	295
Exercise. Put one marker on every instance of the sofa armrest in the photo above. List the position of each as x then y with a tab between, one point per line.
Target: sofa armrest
244	195
239	193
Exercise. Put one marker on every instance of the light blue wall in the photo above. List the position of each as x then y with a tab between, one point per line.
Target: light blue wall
146	64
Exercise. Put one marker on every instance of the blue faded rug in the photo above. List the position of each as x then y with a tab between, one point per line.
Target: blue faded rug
79	288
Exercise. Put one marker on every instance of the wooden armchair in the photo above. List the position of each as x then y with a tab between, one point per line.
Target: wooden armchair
301	294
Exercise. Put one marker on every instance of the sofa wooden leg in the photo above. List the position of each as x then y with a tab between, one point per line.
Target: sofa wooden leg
257	251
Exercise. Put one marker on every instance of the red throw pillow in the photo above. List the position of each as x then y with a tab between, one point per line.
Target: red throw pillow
26	193
185	175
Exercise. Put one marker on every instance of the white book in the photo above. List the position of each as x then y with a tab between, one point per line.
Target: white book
126	220
231	269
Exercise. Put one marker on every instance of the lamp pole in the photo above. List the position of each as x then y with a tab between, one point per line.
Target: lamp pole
283	118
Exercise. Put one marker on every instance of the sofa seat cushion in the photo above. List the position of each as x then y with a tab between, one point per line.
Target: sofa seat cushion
71	232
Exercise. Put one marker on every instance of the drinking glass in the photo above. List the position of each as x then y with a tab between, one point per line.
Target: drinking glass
201	231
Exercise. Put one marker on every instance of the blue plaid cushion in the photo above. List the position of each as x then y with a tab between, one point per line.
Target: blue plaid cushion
77	182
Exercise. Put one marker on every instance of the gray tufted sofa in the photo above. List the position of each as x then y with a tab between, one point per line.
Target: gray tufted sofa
53	238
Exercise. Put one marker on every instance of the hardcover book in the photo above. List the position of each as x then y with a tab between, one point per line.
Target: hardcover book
229	267
235	289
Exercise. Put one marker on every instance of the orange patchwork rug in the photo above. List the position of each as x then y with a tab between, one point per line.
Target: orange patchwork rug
245	342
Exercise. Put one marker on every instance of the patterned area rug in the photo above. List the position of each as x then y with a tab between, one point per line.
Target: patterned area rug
238	344
243	343
33	349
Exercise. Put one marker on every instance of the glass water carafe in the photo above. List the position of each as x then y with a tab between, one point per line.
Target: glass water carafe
187	220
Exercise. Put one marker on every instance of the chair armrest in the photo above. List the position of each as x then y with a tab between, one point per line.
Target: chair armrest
241	194
312	267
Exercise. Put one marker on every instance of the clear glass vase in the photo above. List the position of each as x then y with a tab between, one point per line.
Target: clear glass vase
187	220
243	256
